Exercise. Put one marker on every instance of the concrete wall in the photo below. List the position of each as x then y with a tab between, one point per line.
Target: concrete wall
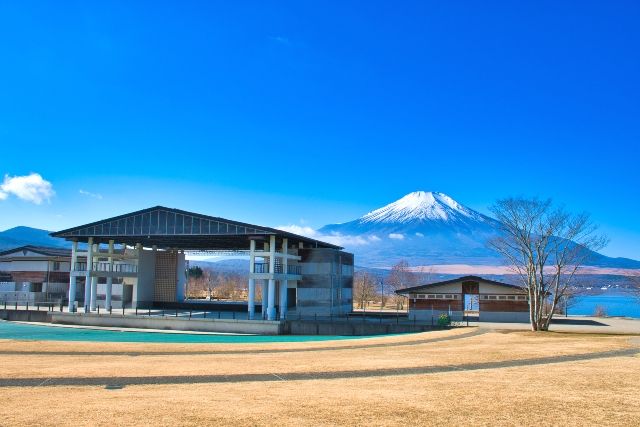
169	323
427	314
143	290
181	279
327	282
296	327
488	288
24	315
504	316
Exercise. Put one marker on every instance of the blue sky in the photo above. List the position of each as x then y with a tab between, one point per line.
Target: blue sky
316	112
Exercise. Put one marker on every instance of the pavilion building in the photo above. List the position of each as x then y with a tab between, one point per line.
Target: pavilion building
143	255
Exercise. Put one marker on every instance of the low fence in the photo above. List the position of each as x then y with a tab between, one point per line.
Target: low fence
21	296
227	321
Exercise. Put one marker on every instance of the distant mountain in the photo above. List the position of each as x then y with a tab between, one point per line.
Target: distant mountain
427	228
21	236
232	265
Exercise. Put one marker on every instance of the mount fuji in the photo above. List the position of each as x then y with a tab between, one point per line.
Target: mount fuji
428	228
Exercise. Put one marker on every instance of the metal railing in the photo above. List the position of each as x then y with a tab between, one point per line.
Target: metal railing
263	267
107	267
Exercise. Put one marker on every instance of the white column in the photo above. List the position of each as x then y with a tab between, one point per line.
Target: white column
251	303
265	288
94	284
271	309
284	284
72	278
87	280
134	297
107	301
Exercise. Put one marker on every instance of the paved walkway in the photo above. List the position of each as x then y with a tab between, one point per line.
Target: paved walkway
120	382
577	324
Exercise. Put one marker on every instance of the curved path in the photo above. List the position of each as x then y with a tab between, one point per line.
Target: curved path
253	351
120	382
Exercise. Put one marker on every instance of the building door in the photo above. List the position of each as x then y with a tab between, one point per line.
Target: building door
471	299
292	294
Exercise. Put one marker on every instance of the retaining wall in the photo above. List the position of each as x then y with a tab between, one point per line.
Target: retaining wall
305	327
170	323
24	315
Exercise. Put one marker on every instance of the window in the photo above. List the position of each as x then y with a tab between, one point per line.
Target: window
56	266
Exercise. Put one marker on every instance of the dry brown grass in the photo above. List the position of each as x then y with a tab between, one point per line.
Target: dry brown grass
603	391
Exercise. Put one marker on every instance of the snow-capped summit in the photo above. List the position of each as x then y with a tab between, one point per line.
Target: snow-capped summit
421	206
422	226
425	228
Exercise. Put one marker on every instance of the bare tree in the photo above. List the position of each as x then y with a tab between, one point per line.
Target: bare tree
400	277
635	284
364	289
545	246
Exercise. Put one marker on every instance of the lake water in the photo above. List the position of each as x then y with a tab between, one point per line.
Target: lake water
613	304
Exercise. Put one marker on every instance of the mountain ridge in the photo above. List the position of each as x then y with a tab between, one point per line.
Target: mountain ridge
426	228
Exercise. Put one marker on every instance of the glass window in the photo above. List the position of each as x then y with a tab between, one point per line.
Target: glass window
187	224
162	222
171	223
196	226
179	224
137	225
146	221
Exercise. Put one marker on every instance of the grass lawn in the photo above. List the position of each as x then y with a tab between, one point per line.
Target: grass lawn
603	391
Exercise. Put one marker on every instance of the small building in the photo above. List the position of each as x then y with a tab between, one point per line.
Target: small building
34	274
494	301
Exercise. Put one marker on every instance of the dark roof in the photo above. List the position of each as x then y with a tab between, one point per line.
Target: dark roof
459	279
42	250
174	228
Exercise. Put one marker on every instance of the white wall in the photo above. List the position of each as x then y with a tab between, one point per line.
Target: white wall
143	290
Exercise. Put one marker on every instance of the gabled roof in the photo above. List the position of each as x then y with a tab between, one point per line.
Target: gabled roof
174	228
459	279
42	250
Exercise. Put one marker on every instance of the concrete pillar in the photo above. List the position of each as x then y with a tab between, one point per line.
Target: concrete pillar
94	293
181	281
72	278
251	298
136	282
284	284
265	295
107	301
265	288
87	277
271	309
94	284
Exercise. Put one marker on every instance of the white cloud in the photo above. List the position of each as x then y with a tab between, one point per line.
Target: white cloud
333	238
89	194
419	234
299	229
280	39
31	188
396	236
